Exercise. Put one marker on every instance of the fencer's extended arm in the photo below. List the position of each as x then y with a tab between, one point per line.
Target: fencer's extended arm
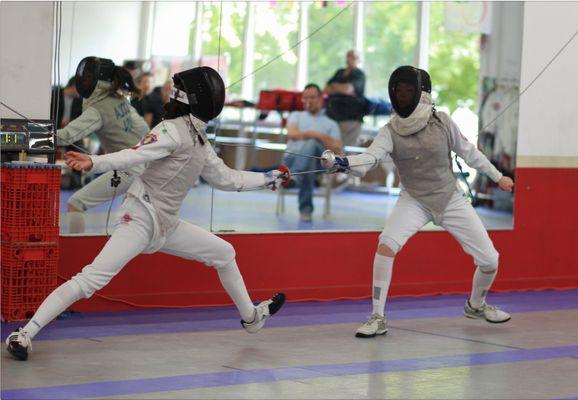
152	147
382	145
88	122
470	154
222	177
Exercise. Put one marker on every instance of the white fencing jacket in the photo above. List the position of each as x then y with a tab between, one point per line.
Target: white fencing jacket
176	158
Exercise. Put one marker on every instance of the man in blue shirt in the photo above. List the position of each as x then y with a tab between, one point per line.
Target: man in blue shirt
309	132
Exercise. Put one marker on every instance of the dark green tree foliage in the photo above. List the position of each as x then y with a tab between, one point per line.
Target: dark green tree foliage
390	41
276	27
327	48
232	28
454	63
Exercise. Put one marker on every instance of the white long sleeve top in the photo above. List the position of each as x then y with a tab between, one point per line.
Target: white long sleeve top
175	158
383	145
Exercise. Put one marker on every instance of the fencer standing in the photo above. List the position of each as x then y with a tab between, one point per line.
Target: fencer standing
420	141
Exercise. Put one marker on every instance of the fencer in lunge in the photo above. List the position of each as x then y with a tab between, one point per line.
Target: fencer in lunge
178	153
106	113
420	141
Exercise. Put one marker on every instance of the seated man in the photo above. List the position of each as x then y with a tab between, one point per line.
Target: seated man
308	132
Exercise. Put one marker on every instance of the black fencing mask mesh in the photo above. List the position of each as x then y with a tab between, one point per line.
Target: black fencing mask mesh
203	89
405	86
90	70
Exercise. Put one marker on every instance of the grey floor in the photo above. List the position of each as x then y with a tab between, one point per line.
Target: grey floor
308	351
255	211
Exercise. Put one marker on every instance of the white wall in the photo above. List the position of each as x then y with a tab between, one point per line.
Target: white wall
25	58
502	51
102	29
549	109
172	25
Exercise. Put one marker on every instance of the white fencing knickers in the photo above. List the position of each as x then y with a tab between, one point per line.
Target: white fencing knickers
136	232
459	218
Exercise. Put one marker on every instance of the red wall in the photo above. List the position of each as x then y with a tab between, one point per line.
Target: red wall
540	252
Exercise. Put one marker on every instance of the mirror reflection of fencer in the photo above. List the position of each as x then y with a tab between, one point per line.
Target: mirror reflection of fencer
420	141
107	113
176	153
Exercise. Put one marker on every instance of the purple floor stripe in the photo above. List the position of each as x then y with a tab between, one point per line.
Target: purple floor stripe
230	378
293	314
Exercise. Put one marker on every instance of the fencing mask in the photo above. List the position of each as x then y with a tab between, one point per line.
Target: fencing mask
90	70
203	89
405	86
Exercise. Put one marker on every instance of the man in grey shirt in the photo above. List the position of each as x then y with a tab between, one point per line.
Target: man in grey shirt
309	132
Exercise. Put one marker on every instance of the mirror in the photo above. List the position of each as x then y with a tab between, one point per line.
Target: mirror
471	50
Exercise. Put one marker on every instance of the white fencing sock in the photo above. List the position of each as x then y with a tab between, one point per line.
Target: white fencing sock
480	287
56	302
382	269
232	281
76	222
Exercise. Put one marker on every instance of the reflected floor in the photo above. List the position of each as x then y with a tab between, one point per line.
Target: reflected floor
255	212
308	351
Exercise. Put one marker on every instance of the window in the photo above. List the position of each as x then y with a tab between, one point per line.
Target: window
171	26
454	63
231	35
327	47
275	33
390	41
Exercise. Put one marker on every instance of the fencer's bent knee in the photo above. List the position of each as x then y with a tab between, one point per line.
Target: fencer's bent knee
489	263
384	250
72	289
75	204
388	247
224	257
91	279
72	208
489	269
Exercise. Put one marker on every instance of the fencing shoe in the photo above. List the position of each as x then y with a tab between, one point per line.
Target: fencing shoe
487	312
263	311
19	344
375	325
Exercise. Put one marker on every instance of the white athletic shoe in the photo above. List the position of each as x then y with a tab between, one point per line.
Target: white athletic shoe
375	325
263	311
19	344
487	312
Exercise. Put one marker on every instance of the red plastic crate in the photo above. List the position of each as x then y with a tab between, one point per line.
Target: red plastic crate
30	203
29	274
280	100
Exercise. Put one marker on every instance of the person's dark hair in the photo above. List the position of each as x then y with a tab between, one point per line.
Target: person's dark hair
130	65
71	82
315	86
174	109
122	79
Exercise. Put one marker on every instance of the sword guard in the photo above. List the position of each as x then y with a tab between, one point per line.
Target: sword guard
286	175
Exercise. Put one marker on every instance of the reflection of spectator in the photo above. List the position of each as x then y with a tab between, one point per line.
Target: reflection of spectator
145	85
346	103
309	132
132	67
108	114
69	103
153	107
